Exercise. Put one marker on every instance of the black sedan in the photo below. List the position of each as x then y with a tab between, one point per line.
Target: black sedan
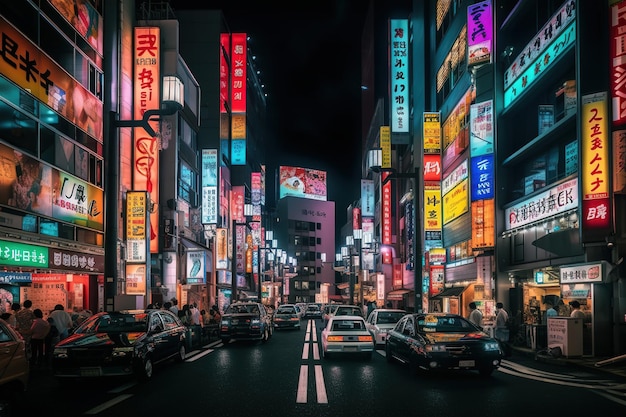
120	343
246	321
441	341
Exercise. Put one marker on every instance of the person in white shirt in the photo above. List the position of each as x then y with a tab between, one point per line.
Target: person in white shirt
475	316
62	320
502	329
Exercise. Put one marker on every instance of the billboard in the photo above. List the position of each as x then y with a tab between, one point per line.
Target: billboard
302	182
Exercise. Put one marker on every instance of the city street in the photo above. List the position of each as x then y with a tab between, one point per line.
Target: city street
287	377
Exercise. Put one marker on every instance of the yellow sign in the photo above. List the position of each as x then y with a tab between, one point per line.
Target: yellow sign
432	132
385	145
432	209
455	202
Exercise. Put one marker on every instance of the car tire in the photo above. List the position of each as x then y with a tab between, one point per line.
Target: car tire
146	370
182	353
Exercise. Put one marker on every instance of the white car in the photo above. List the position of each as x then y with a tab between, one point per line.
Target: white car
381	320
347	335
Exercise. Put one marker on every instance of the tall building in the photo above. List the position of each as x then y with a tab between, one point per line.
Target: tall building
515	129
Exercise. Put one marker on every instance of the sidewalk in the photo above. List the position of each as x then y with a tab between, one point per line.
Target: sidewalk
615	365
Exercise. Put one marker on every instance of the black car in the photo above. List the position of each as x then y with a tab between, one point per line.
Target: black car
120	343
286	317
440	341
313	311
246	321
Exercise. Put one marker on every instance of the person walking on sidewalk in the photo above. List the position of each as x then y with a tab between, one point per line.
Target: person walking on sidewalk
576	311
475	316
39	330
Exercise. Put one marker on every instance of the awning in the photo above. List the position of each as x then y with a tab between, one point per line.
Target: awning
397	294
450	292
562	243
335	297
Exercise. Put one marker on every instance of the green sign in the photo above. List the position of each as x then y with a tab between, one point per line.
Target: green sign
12	253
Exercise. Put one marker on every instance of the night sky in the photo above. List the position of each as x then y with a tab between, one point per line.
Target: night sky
309	56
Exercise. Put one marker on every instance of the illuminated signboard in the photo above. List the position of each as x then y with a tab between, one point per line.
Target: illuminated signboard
48	82
367	198
385	214
19	254
483	224
617	59
239	63
481	128
555	200
479	33
209	186
432	132
136	226
147	96
136	275
221	249
385	145
595	145
400	74
196	268
455	202
483	180
557	47
302	182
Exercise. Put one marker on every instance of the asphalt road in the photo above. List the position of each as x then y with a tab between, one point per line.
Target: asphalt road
288	377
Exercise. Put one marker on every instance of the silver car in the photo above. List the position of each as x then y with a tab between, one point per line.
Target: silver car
381	320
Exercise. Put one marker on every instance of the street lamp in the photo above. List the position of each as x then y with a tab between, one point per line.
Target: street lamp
172	100
374	160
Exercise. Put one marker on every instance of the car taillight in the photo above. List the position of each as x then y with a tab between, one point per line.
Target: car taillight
365	338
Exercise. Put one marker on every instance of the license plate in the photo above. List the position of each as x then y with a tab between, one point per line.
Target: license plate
90	371
350	349
467	364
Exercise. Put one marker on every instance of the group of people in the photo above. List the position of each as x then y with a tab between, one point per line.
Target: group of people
41	334
190	314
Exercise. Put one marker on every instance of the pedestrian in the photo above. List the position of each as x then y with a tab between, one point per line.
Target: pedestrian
576	311
196	317
174	307
62	320
550	311
185	315
39	330
502	319
475	316
12	319
24	321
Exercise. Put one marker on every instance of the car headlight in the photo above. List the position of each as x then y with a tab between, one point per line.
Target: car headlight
491	346
435	348
122	352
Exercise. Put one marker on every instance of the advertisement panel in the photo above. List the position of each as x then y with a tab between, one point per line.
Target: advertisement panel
196	268
84	18
385	145
367	198
432	132
302	182
482	174
221	249
136	226
432	209
136	277
617	58
48	81
455	203
483	224
147	96
481	128
619	162
432	168
595	146
400	75
209	186
479	33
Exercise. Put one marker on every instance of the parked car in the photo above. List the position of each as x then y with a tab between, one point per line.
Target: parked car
120	343
346	335
14	368
246	321
439	341
286	317
381	320
313	311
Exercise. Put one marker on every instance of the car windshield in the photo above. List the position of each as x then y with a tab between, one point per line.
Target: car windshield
286	310
348	325
242	309
111	323
389	317
444	324
348	311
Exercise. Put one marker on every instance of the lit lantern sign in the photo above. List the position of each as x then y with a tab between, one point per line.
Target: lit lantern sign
147	96
386	217
595	147
239	56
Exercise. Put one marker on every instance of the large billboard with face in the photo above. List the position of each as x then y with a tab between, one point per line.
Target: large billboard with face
302	182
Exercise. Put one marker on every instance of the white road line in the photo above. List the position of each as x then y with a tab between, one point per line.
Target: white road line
121	388
199	355
110	403
302	384
320	386
316	351
314	331
305	351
